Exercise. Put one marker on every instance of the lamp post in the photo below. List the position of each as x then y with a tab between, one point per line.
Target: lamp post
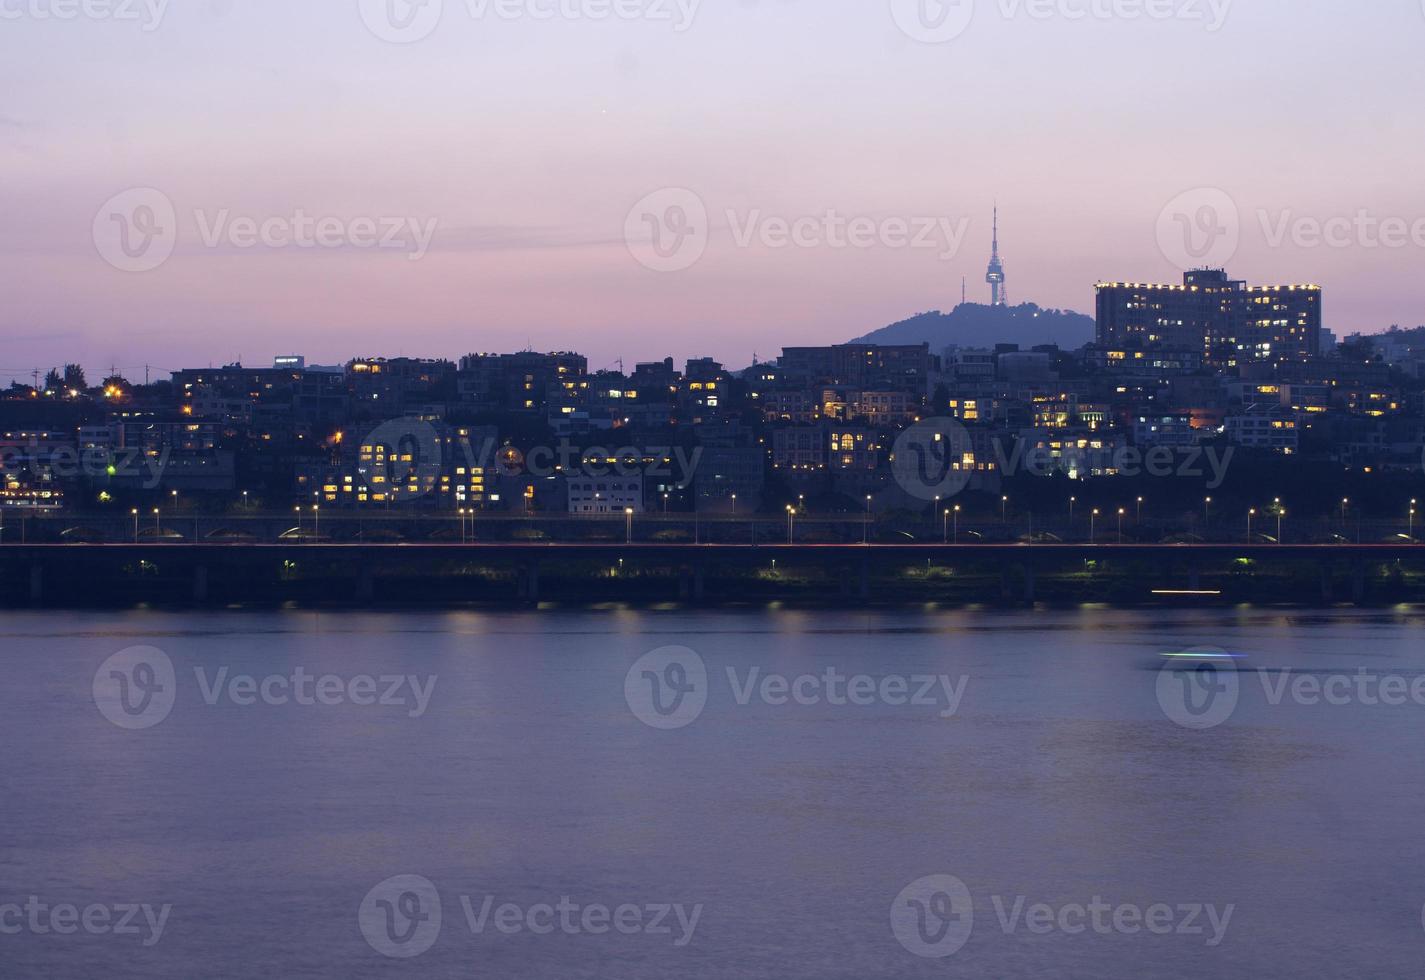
1004	510
957	524
1072	501
1120	525
628	525
1140	511
1250	514
316	522
1280	514
665	505
298	511
135	514
157	526
460	513
734	505
945	527
1093	520
1412	522
1206	512
866	523
791	516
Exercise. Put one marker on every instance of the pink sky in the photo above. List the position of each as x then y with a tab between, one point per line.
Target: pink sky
527	142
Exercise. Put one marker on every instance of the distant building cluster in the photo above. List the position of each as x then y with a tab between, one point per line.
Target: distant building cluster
1210	360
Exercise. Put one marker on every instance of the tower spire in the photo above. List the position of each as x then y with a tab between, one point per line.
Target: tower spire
999	295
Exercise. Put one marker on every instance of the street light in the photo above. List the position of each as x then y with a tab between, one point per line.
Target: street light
1280	514
734	505
1004	510
957	523
1250	514
628	522
1140	511
1072	501
665	505
1412	521
791	516
157	527
135	513
1206	512
1093	520
298	511
1120	525
866	523
316	522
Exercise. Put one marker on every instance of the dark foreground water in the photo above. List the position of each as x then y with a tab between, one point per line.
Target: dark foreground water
562	795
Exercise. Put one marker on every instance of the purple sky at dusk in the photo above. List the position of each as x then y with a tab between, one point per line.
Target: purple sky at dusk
528	140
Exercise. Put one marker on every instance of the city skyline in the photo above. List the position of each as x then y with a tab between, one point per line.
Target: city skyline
531	185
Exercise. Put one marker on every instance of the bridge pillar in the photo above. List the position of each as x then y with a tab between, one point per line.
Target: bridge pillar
529	582
37	584
1028	583
1358	581
1328	583
200	583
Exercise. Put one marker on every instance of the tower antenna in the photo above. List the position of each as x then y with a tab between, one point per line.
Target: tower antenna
999	294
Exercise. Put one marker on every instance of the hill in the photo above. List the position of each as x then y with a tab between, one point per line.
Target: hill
974	325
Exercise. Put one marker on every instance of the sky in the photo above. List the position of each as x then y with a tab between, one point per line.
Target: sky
200	181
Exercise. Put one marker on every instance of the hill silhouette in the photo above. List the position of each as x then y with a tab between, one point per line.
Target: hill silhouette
976	325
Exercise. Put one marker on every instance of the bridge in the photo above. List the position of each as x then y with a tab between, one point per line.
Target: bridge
452	573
